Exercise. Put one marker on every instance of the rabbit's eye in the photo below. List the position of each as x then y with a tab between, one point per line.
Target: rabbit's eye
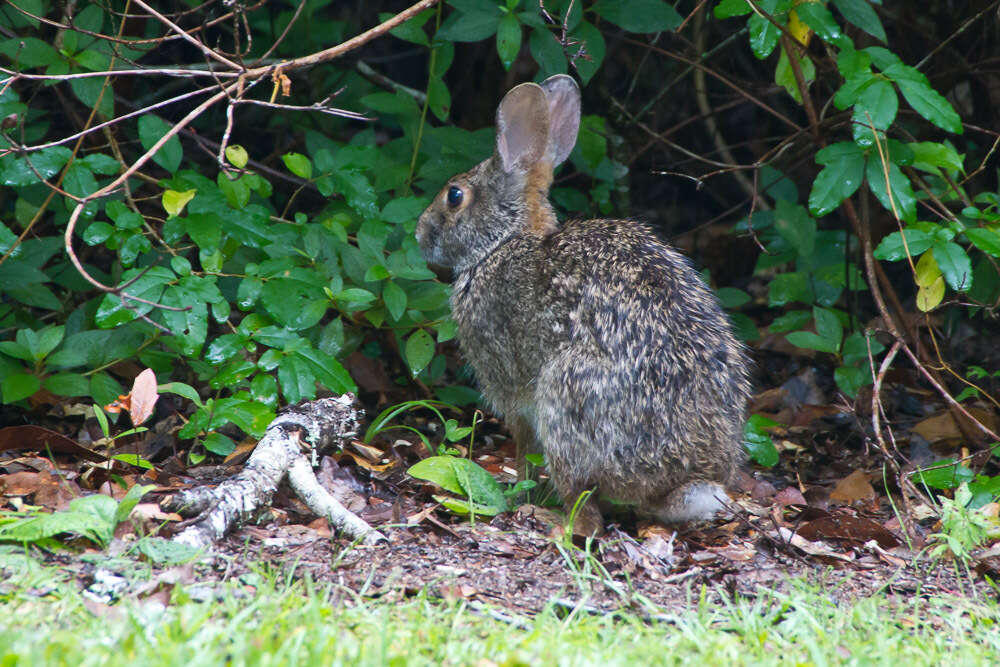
455	196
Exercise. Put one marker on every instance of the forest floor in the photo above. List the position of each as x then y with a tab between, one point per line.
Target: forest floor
829	513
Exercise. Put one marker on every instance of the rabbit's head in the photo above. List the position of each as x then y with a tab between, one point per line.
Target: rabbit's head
508	193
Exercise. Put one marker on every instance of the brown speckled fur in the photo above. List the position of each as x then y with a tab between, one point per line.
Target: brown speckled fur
593	336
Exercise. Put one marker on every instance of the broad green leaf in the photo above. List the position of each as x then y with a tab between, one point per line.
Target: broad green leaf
828	326
328	371
818	17
811	341
181	389
894	246
218	444
930	154
784	74
902	191
298	164
412	30
795	226
763	34
174	202
641	16
876	106
789	287
16	386
986	239
237	156
151	129
731	297
547	52
729	8
851	379
47	162
943	474
839	179
67	384
29	52
926	101
394	298
954	263
470	26
793	320
592	41
508	39
855	348
861	14
758	442
419	350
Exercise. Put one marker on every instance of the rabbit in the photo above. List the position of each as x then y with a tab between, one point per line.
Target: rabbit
598	343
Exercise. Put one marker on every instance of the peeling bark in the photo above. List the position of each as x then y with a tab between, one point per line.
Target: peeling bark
288	449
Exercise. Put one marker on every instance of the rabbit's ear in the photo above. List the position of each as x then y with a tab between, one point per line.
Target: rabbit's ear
564	115
522	127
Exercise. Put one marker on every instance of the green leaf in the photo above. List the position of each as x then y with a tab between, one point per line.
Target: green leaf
237	156
954	263
174	202
47	162
893	249
298	164
851	379
731	297
818	17
470	26
67	384
29	52
839	179
729	8
463	477
151	129
218	444
876	106
930	154
828	326
547	52
294	303
394	298
17	386
592	140
758	442
811	341
419	351
508	39
861	14
404	209
986	239
943	474
131	499
642	16
327	370
902	191
923	98
592	42
411	30
763	34
855	349
793	320
795	226
789	287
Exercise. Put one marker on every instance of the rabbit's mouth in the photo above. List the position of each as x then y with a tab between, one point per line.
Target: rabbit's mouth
427	234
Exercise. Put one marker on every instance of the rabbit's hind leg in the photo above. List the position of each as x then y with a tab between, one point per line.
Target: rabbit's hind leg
693	501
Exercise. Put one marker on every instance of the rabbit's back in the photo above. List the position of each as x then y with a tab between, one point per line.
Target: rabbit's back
612	347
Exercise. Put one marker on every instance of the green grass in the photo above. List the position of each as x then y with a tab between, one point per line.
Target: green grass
43	621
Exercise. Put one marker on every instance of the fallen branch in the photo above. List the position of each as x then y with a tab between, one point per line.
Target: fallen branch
286	451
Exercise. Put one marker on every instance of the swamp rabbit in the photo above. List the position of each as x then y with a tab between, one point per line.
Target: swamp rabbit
599	344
